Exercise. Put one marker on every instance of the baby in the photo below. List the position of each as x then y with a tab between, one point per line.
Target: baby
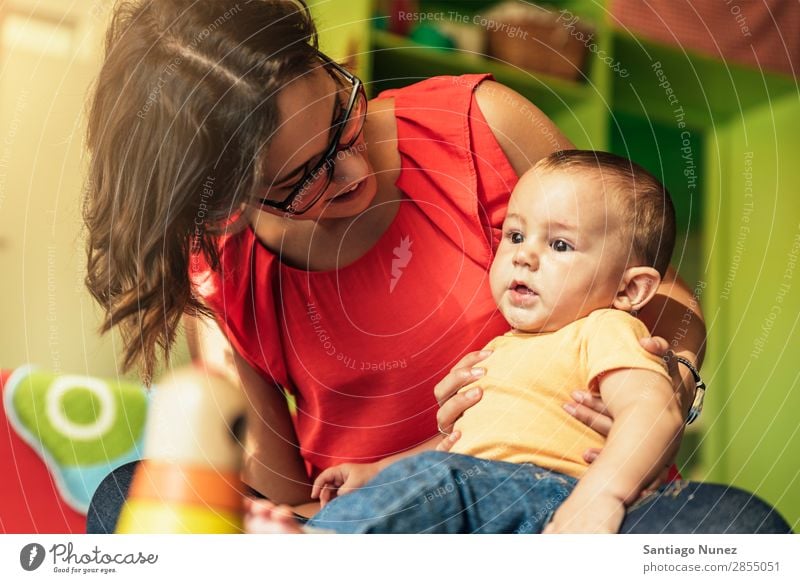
586	240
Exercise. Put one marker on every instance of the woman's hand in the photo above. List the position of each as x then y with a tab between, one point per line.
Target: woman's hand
451	405
449	441
339	480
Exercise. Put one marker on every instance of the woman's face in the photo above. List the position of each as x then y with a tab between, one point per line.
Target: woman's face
308	108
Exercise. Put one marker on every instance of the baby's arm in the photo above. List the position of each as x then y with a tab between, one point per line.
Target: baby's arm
648	424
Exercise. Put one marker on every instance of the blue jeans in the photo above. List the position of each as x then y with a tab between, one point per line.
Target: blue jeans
436	492
107	500
443	492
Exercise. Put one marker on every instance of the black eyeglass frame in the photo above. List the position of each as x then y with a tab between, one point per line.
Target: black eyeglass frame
328	160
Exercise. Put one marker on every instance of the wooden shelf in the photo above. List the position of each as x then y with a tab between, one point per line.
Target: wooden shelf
410	60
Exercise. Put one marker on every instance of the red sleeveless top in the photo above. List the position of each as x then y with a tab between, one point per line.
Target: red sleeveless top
361	348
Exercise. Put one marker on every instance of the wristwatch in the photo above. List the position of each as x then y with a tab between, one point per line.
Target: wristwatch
699	391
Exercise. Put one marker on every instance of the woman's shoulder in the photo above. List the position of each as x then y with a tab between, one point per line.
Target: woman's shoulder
430	119
522	130
436	89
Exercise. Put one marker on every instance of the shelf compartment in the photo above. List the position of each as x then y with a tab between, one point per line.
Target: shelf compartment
736	88
409	61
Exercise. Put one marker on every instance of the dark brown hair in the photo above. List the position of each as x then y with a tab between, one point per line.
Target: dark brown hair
183	105
644	201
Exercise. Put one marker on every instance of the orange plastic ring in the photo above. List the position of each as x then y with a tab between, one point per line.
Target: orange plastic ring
206	487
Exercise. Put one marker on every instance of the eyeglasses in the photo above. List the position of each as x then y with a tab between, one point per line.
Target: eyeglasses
347	128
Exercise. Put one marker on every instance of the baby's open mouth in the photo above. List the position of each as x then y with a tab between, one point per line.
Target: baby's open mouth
521	288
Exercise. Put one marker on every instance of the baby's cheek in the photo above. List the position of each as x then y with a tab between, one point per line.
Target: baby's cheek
497	282
565	308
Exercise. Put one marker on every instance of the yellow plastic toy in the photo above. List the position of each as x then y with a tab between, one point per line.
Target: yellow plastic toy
190	480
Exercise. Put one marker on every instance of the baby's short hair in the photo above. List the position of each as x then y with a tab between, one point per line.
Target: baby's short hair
645	202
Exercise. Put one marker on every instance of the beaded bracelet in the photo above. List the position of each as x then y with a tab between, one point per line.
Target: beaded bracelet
699	391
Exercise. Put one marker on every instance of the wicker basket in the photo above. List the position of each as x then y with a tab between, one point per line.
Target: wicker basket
535	39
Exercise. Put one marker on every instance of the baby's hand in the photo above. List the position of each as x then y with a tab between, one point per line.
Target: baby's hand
601	514
341	479
265	517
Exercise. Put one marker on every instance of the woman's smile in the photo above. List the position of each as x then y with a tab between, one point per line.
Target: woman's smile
352	192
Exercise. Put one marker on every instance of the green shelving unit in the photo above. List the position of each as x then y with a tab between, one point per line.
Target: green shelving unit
398	53
711	92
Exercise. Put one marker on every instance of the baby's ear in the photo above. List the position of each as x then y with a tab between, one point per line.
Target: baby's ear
638	286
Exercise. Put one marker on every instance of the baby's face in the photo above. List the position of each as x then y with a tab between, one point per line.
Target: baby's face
562	254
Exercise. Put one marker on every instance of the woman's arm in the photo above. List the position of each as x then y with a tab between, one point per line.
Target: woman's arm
524	133
675	315
272	463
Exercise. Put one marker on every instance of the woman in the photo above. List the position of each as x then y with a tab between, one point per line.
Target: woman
317	243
